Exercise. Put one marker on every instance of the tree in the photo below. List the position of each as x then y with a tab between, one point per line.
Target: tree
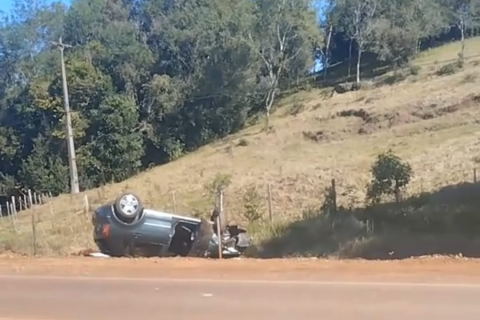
389	175
326	9
428	20
117	145
360	14
44	172
282	31
393	44
203	67
252	204
462	14
399	27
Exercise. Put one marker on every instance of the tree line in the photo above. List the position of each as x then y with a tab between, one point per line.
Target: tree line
151	80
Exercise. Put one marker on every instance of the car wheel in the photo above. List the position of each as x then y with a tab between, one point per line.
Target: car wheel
128	206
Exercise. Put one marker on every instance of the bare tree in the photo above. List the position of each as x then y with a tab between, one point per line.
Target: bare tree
463	14
360	15
284	30
326	9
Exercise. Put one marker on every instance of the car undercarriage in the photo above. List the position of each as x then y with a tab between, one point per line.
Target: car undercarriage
126	228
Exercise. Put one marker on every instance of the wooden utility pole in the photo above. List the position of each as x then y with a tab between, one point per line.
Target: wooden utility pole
74	186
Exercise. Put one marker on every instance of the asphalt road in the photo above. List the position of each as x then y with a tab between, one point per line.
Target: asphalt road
64	298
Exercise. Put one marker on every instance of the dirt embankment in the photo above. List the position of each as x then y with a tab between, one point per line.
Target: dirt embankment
421	269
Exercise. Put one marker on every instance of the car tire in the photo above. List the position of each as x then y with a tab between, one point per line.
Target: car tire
128	206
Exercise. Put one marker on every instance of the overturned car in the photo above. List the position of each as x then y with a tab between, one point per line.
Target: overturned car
126	228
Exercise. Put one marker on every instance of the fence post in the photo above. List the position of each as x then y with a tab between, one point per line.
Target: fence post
4	215
34	234
174	199
86	205
25	203
270	211
474	175
14	205
52	214
334	195
30	200
12	211
219	221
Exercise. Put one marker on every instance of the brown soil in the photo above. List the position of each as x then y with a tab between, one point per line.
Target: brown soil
425	269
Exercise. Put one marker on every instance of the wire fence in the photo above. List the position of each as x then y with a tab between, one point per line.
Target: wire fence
37	224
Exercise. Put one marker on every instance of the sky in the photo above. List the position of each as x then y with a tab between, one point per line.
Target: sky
6	5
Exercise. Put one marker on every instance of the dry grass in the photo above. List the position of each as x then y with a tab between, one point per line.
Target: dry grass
448	53
61	228
429	120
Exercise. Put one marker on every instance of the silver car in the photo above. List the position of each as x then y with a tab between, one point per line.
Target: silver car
125	228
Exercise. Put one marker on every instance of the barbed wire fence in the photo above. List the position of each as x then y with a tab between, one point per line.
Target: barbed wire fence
14	205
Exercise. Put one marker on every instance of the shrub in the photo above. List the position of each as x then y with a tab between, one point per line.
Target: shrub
450	68
469	78
297	108
414	70
253	204
243	142
329	205
219	183
389	176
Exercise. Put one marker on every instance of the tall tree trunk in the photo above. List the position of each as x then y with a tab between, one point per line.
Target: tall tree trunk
326	64
268	106
462	31
350	58
398	197
267	119
359	60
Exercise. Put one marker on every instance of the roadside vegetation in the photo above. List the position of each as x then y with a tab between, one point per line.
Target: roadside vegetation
175	101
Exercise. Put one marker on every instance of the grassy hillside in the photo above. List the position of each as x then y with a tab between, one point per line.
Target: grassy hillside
430	120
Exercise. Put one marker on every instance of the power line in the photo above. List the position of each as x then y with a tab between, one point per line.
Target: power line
74	185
